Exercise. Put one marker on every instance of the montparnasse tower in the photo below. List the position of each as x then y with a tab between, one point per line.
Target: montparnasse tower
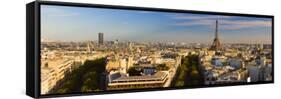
216	44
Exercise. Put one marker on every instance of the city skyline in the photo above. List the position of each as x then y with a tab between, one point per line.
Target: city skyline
122	56
82	24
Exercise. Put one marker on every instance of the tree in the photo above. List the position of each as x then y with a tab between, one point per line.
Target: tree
189	72
85	78
162	67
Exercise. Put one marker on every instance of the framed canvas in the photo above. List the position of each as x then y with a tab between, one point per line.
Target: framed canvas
87	49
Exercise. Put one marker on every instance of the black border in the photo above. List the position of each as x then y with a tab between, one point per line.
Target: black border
38	37
30	70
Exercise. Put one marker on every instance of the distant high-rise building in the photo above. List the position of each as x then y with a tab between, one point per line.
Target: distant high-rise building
100	38
216	44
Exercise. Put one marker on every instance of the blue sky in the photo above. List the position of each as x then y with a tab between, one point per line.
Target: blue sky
83	24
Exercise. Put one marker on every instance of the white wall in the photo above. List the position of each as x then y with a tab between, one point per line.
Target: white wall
12	51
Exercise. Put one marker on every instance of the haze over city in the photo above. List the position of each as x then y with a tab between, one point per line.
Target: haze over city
83	24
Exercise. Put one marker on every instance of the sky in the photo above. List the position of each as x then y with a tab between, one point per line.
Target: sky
66	23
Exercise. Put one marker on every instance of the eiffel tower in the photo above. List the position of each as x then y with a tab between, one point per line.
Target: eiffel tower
216	44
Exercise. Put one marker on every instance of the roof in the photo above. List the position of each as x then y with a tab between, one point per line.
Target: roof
156	76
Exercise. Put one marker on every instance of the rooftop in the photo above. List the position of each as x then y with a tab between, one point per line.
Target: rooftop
157	76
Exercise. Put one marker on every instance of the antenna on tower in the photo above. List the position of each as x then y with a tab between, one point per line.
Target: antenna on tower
216	29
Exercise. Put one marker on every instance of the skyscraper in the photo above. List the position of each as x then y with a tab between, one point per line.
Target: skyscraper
216	44
100	38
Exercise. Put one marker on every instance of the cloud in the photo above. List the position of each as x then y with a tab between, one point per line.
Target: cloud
145	12
233	25
196	17
195	23
196	20
225	22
